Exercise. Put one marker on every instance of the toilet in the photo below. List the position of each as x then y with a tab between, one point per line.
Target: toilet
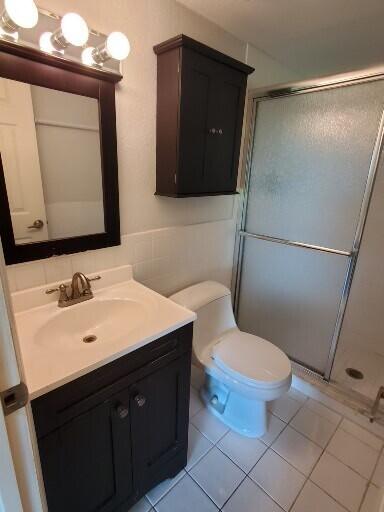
242	371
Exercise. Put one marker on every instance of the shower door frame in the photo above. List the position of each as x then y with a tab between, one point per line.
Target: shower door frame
290	89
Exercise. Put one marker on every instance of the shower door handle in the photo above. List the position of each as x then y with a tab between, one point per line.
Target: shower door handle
245	234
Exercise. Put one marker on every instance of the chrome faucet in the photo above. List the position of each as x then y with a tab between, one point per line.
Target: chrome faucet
80	278
71	294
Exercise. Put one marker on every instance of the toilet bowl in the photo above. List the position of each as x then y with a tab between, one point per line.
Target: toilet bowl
242	371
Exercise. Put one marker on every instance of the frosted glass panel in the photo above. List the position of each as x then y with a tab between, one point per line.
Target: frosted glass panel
310	163
290	296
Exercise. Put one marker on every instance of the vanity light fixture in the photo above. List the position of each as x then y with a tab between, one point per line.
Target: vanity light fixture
116	47
46	45
17	14
87	56
73	30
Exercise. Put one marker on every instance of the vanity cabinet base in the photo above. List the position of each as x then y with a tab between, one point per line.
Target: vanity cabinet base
110	436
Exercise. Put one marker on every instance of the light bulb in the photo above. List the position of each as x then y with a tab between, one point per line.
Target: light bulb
87	56
46	43
23	13
74	29
9	36
118	46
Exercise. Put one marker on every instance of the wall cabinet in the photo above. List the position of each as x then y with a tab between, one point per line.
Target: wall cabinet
200	109
107	438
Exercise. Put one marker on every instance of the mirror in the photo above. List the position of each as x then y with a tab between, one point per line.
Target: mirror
50	148
58	156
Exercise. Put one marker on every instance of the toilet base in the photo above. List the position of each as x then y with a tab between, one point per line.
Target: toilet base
246	416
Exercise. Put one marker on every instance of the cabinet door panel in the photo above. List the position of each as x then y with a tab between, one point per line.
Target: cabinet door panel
86	463
196	87
224	145
160	425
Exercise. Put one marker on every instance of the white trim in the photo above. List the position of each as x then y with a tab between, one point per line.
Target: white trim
21	440
9	491
71	126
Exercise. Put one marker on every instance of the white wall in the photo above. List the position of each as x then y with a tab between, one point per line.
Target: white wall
267	70
148	22
363	325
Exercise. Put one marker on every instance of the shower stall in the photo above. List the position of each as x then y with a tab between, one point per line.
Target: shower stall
313	153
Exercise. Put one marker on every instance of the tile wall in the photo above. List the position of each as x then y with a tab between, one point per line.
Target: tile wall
165	259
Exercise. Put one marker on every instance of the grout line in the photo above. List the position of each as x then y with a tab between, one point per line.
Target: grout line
169	490
246	474
307	437
345	464
349	467
205	492
300	401
307	478
198	461
339	420
314	467
354	436
381	452
298	494
363	497
230	496
270	448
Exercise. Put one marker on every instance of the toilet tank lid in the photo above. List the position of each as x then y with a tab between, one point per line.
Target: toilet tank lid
199	295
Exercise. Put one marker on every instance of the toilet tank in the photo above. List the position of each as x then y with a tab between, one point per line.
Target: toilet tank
212	304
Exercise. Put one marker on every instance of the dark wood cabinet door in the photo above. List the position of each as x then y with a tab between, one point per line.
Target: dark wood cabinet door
212	105
226	118
87	463
197	81
160	423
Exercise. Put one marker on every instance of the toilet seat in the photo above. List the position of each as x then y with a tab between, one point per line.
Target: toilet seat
251	360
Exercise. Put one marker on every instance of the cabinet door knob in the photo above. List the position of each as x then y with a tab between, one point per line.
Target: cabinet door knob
122	411
220	131
140	400
212	130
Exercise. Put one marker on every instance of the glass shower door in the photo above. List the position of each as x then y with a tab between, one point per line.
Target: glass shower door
311	159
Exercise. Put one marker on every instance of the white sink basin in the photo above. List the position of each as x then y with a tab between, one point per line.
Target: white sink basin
87	325
123	316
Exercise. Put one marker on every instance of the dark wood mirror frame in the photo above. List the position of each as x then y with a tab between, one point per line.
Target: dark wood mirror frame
36	68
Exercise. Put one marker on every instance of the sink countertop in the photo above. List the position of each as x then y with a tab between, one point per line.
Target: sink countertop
50	337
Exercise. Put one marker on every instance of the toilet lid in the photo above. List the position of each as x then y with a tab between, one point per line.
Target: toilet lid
250	358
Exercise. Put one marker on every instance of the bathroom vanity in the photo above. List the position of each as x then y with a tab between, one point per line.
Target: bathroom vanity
111	415
108	437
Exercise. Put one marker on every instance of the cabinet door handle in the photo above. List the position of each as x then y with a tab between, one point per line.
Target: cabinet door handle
122	411
212	130
140	400
220	131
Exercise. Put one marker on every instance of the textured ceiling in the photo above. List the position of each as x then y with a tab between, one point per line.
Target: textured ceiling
311	37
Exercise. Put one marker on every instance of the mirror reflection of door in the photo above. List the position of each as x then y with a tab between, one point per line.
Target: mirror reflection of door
19	152
50	150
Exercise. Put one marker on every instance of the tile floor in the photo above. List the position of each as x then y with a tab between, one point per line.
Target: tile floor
310	460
